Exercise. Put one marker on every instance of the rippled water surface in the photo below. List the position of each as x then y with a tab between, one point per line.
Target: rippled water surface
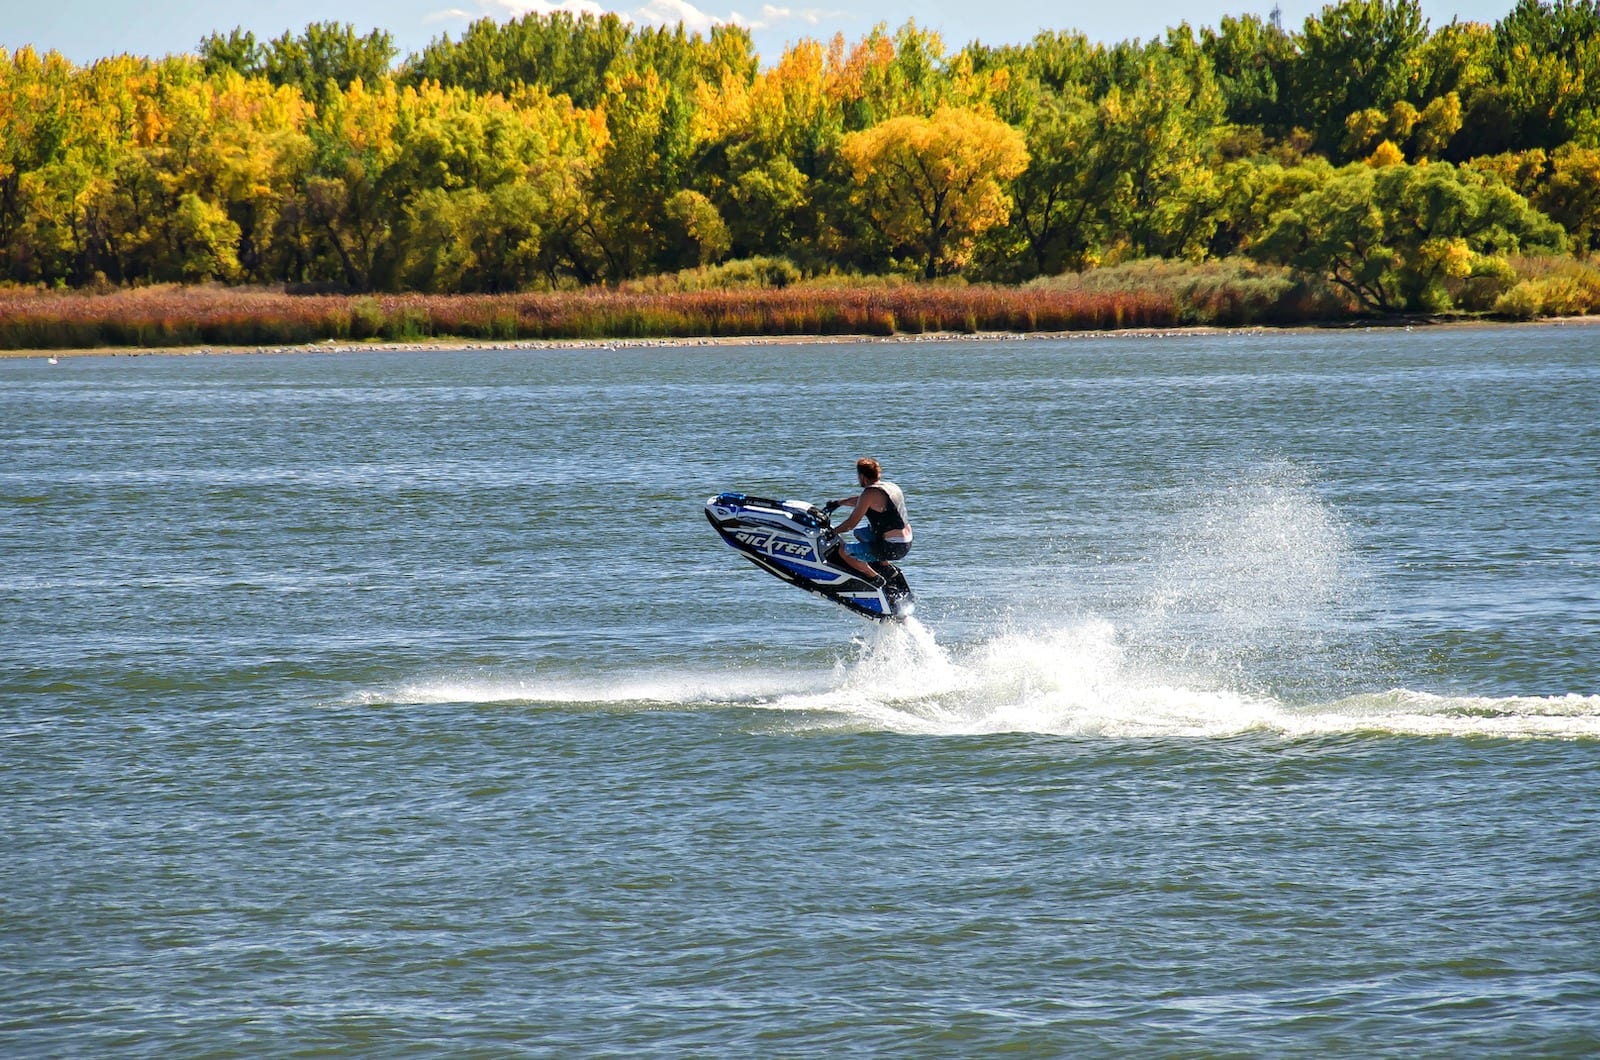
399	701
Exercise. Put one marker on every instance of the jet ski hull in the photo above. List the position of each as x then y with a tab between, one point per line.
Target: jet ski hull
793	541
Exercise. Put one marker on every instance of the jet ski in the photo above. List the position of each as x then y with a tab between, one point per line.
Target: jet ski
795	541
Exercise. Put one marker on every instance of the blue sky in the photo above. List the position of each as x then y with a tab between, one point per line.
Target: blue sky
88	29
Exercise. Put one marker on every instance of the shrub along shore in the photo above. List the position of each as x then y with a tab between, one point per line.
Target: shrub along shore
724	304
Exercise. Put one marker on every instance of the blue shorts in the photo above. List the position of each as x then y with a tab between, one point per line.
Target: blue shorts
870	548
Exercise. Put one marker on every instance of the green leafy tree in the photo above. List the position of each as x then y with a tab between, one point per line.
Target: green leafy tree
1060	62
643	164
1355	55
456	165
1570	194
204	240
471	239
199	190
1159	137
686	60
764	205
566	54
1549	58
74	138
497	185
328	57
342	223
760	148
695	233
887	75
35	119
1043	92
565	150
239	51
574	55
1251	194
1458	57
1251	58
1393	237
256	147
1058	198
325	54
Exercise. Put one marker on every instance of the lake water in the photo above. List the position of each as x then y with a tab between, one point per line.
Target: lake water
405	702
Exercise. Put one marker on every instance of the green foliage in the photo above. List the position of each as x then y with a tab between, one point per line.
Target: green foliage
326	57
1549	66
558	151
1570	194
1355	55
204	240
472	240
1251	59
694	230
640	171
1228	293
239	51
575	55
1057	221
565	54
746	274
1394	237
1550	286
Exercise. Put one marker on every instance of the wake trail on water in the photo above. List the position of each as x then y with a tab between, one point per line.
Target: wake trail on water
1250	591
663	689
1079	680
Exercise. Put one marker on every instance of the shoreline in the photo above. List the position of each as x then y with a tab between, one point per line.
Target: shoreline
468	345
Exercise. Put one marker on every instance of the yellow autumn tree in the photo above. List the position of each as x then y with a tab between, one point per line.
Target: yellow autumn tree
933	185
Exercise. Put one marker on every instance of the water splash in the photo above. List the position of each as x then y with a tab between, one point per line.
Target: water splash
1248	581
1081	681
1073	680
1260	552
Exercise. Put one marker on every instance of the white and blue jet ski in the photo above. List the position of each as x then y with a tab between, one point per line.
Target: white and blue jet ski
795	541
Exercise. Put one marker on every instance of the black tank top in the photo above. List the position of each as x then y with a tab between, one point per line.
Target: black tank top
894	516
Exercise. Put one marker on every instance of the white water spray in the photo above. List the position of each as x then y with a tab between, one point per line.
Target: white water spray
1244	581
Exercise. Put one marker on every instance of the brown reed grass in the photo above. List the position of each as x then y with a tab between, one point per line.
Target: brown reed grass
174	316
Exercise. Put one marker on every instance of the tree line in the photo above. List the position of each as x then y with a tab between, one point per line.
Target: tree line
1405	165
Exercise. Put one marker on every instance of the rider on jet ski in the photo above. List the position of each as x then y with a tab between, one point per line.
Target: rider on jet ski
887	535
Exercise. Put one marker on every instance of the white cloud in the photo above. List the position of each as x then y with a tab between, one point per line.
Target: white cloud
509	9
811	16
518	8
672	12
771	16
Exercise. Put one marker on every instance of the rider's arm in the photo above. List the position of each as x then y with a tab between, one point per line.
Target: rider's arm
862	502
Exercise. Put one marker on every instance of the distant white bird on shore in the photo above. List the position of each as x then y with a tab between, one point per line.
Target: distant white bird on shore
54	361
